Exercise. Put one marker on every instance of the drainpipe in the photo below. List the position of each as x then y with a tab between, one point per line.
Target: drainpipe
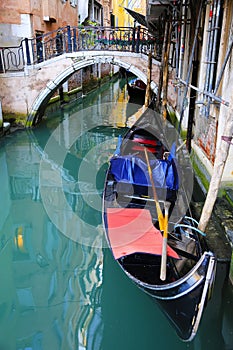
177	34
190	66
213	57
209	58
182	40
223	66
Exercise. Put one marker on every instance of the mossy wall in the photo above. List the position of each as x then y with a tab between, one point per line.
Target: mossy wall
15	118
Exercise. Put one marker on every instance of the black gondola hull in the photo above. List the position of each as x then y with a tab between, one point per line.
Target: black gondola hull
190	267
183	301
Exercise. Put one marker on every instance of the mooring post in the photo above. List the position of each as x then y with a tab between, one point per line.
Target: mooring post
147	96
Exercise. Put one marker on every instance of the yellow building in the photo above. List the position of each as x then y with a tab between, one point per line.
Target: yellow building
121	17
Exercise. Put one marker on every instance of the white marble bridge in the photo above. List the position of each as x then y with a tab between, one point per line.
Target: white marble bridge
31	89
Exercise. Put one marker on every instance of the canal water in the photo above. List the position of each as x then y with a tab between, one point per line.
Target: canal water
59	285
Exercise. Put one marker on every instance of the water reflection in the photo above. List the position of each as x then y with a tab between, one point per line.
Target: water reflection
50	285
57	293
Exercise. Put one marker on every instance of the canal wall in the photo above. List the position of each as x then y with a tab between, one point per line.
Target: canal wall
219	231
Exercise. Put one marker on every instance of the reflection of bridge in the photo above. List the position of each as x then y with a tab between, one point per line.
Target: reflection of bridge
38	67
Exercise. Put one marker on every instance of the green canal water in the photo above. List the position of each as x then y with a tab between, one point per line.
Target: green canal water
59	285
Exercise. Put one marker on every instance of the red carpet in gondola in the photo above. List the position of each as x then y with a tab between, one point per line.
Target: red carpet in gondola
130	230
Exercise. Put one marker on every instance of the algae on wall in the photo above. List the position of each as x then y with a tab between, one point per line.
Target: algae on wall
1	119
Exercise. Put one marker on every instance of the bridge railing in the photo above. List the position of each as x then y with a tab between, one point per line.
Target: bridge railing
11	59
73	39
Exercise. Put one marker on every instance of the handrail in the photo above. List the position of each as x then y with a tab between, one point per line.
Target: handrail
72	39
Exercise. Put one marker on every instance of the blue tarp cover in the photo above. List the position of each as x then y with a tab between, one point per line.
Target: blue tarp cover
134	170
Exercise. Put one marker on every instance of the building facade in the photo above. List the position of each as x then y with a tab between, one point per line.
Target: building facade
27	19
93	12
200	73
121	18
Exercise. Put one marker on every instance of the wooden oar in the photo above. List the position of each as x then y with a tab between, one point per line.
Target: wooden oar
164	249
163	221
159	211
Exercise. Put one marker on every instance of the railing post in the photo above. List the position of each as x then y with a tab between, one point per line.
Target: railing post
138	39
133	39
2	68
74	40
69	39
26	52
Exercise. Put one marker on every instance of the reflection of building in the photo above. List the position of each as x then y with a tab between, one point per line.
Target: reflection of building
50	285
4	205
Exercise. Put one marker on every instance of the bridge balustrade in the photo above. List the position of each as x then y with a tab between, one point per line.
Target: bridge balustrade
11	59
72	39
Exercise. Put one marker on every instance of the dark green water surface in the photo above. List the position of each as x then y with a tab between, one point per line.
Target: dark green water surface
59	285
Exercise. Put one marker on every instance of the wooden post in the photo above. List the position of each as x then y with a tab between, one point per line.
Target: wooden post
61	94
161	68
219	164
147	96
165	73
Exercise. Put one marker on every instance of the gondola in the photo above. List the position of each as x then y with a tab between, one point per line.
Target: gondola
136	89
149	227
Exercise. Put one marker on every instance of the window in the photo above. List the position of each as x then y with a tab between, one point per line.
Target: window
73	3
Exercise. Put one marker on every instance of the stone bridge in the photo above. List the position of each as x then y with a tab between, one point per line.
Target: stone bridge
28	92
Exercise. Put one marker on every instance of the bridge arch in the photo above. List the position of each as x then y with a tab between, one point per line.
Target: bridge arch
79	62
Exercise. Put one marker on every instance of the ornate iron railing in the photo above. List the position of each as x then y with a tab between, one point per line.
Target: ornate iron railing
11	59
73	39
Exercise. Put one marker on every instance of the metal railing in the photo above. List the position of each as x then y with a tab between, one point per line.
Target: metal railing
72	39
11	59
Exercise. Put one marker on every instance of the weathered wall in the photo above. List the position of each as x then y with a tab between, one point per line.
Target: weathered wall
19	100
23	19
209	128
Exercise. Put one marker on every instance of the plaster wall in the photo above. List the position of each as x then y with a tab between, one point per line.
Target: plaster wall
23	19
209	129
29	85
